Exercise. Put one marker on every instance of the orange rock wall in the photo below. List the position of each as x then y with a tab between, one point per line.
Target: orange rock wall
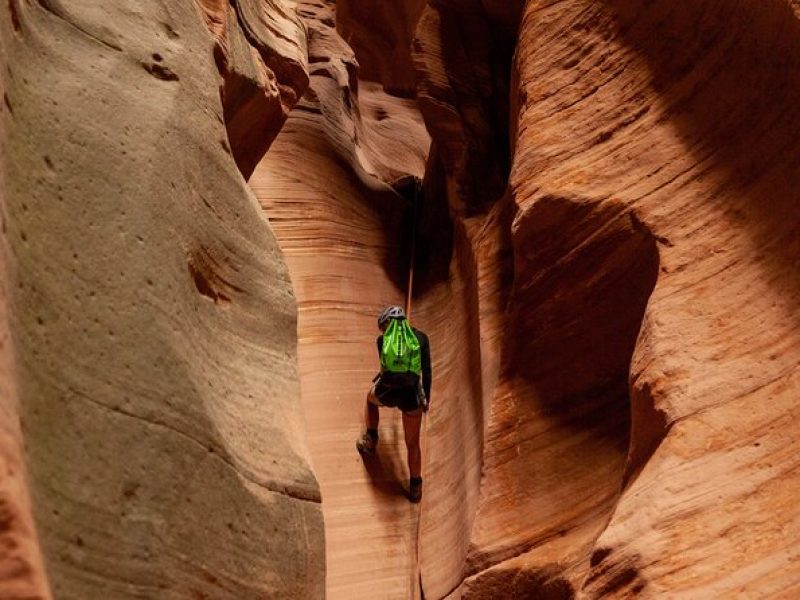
687	131
645	160
260	49
382	38
324	185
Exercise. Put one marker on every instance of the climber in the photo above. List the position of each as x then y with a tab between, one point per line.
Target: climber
404	382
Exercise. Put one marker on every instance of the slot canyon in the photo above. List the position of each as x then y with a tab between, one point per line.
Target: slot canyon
205	205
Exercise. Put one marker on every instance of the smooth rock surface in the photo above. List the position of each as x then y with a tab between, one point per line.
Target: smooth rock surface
647	158
152	320
22	573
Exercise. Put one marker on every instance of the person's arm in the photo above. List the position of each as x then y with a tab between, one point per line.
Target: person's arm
427	375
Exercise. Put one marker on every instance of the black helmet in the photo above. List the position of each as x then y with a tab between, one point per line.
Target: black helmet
390	312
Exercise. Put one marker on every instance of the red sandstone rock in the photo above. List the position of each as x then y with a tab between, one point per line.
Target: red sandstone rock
324	185
645	154
614	332
462	59
381	35
22	573
261	53
630	178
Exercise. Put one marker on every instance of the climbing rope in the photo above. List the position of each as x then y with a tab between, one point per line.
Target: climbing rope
417	574
413	251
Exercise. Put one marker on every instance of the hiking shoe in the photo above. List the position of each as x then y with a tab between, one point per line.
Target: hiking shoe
415	490
366	444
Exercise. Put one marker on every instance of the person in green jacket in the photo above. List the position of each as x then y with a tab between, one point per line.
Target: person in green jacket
409	391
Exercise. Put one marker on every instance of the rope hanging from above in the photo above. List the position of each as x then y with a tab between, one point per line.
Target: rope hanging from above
410	288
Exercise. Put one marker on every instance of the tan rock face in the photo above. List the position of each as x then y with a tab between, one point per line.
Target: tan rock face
22	572
151	314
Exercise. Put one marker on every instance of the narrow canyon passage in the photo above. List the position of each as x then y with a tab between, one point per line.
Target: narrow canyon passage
333	250
339	228
324	186
340	235
205	205
345	235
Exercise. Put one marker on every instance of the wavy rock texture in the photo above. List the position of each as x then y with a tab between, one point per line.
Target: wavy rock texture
325	187
381	37
152	319
261	52
686	137
647	159
461	57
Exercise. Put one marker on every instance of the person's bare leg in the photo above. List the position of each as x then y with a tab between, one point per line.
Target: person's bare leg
411	427
368	441
371	413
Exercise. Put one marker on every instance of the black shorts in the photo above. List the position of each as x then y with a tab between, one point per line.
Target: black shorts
404	397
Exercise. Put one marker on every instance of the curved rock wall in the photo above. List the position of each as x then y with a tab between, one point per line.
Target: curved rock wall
261	52
644	154
689	130
381	37
152	318
22	573
325	187
647	158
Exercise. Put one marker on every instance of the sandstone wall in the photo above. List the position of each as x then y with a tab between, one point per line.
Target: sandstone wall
21	566
649	155
151	314
325	187
607	261
381	37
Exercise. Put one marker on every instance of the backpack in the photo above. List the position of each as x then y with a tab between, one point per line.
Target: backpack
400	351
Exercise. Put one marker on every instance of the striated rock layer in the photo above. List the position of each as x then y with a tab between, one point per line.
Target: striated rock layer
640	437
325	186
606	264
685	136
151	314
636	280
260	49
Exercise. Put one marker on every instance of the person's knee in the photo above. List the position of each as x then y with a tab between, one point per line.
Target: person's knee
372	398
